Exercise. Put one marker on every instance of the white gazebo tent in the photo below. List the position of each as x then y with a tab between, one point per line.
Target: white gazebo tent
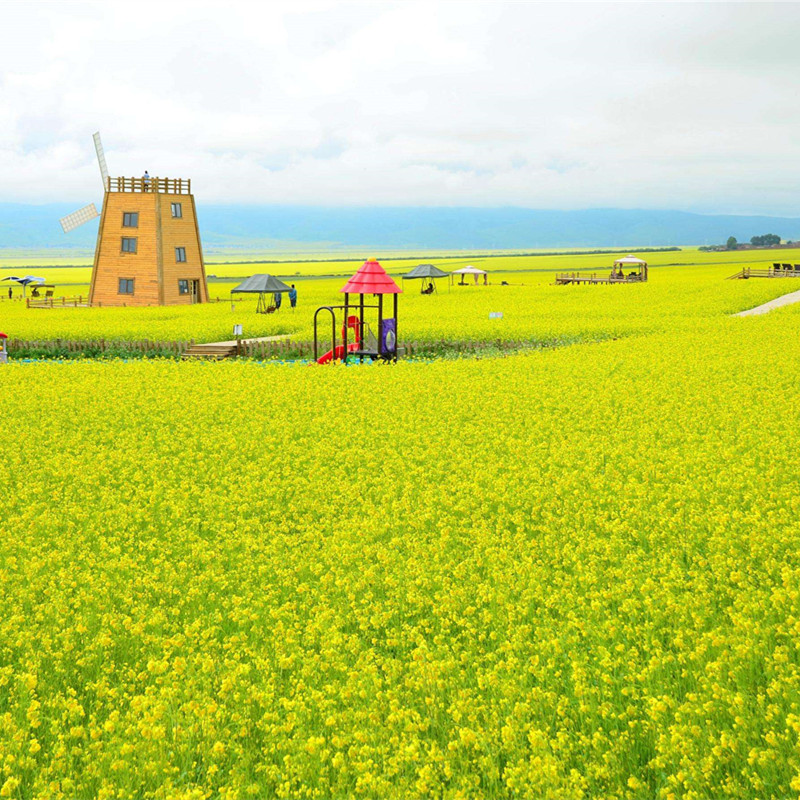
469	270
632	261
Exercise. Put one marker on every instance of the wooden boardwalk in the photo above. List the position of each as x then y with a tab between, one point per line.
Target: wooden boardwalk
257	340
576	278
216	351
775	271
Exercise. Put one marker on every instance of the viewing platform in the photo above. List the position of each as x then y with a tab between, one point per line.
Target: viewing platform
775	271
617	275
565	278
151	185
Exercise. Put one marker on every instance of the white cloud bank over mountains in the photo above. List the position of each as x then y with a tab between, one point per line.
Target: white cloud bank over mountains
458	104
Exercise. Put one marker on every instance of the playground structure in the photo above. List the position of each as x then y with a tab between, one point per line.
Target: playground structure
775	271
267	287
371	278
617	273
426	273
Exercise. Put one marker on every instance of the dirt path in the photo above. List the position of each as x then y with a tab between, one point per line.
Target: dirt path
783	300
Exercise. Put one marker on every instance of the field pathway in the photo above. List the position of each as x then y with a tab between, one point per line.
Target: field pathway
783	300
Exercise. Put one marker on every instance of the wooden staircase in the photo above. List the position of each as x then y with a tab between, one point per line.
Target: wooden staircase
210	352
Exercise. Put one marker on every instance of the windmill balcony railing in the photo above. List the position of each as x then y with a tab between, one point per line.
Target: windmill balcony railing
160	185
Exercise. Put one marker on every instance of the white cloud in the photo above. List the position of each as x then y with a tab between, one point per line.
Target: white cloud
450	103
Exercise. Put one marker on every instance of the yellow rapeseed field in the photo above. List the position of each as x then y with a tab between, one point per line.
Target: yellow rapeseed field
568	574
533	308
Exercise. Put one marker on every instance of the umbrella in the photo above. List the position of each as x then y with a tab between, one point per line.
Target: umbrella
24	281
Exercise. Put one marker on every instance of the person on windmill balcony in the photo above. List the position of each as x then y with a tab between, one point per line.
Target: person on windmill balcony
146	181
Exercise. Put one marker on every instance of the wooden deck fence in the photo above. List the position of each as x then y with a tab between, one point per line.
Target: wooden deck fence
564	278
160	185
775	271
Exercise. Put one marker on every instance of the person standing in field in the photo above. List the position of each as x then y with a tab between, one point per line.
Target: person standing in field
293	296
278	299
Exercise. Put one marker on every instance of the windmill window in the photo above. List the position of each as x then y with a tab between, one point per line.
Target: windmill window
183	287
177	211
180	255
130	219
126	286
128	245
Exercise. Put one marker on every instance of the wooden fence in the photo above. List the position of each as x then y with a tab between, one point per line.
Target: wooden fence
287	349
161	185
770	272
83	302
53	348
58	302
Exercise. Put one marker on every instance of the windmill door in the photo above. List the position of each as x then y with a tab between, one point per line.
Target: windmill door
195	291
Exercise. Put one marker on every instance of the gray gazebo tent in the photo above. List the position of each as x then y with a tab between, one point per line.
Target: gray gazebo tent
425	272
266	287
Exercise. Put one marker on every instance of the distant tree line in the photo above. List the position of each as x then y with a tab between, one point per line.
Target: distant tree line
765	240
464	256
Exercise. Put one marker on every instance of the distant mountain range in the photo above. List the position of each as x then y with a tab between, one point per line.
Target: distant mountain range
227	228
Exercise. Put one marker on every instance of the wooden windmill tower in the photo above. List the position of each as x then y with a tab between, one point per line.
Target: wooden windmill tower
148	244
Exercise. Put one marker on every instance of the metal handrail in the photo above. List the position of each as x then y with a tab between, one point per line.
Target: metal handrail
333	329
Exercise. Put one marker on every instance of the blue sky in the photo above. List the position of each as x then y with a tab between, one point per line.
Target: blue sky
569	105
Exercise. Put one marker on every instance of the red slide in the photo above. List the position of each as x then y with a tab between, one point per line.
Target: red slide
338	351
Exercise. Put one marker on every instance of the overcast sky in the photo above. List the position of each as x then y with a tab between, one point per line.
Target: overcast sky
685	106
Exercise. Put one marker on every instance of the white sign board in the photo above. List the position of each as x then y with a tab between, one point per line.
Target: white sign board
237	330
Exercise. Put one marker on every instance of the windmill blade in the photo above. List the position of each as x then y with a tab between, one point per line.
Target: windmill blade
101	159
77	218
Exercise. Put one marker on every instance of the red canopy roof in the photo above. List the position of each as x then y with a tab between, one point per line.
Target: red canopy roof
371	278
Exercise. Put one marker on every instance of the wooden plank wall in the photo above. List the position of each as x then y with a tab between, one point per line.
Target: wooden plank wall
180	232
112	264
153	267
